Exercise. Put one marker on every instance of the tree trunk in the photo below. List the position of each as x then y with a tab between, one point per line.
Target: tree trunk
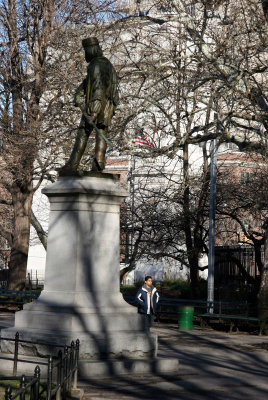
191	250
263	293
194	277
125	271
22	202
265	8
42	235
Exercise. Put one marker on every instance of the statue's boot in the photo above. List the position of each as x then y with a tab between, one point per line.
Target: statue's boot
100	150
83	133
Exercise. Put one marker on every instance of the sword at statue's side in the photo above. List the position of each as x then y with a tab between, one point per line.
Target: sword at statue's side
90	122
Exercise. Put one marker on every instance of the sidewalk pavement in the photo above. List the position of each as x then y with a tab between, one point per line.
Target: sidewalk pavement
213	366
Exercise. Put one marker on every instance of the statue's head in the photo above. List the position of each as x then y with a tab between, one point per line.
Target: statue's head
92	48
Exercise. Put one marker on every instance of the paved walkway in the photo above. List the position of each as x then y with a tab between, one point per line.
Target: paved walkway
213	366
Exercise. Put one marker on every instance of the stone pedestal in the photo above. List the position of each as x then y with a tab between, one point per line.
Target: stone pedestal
81	297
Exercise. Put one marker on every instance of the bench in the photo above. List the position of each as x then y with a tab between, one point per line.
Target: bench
230	312
169	307
16	298
234	321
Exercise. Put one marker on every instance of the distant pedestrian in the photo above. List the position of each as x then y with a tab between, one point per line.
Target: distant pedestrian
147	298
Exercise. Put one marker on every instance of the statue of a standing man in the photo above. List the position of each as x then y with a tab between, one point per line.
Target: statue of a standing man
97	96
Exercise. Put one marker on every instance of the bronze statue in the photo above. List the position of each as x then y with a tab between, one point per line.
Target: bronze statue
97	96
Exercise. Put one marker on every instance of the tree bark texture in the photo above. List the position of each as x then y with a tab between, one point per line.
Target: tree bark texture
192	252
22	202
26	51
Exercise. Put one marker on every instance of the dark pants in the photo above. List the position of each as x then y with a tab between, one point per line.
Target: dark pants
148	321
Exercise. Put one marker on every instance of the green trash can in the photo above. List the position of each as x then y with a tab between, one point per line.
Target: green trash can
186	316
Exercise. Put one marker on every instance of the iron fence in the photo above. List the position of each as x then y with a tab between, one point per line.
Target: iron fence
33	383
225	267
4	273
62	370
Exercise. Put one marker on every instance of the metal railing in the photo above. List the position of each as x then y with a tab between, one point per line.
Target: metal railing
33	383
66	366
62	370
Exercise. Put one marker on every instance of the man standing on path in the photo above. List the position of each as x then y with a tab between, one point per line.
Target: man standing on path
147	298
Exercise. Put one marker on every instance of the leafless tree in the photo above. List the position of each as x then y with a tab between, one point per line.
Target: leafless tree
176	71
242	207
37	75
168	216
200	59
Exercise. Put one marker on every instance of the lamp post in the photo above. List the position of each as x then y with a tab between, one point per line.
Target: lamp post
212	206
132	204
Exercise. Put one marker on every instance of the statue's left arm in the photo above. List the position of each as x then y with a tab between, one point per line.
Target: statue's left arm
79	97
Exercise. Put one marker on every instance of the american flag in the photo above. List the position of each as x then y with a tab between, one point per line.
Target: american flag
143	140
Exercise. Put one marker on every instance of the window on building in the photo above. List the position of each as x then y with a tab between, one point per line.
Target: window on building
231	146
164	7
247	177
224	176
227	147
